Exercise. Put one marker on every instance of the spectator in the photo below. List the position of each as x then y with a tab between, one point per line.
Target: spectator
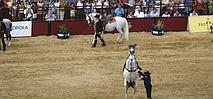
40	5
198	6
194	13
98	5
106	3
139	3
21	10
177	14
52	6
166	14
165	2
35	10
119	11
50	16
46	7
28	12
146	12
130	15
146	2
187	9
138	12
154	13
79	4
69	2
131	2
57	3
1	7
72	11
14	12
88	7
62	5
113	4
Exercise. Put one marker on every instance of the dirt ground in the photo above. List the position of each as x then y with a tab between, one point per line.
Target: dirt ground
45	67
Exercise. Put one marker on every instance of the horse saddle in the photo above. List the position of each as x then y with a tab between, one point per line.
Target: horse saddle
112	20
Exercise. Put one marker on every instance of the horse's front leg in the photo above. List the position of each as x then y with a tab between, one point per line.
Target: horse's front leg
126	92
120	35
126	89
134	91
8	38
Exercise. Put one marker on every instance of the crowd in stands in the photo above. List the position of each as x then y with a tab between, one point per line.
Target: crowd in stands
50	10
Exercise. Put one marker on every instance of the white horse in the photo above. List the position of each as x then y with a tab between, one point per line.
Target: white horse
130	71
118	23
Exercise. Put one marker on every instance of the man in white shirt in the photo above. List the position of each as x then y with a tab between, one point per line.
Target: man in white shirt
138	12
194	13
166	14
154	13
28	12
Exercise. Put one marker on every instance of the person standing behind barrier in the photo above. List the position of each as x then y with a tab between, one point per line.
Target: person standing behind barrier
28	12
98	30
194	13
62	5
50	16
139	13
8	25
119	11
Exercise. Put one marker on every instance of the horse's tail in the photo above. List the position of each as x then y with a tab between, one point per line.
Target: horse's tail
126	30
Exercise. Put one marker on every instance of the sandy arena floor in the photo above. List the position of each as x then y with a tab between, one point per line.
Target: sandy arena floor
48	68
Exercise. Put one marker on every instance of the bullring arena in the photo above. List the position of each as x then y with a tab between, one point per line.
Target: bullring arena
45	67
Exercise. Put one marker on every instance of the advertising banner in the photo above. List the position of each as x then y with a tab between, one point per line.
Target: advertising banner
200	23
21	29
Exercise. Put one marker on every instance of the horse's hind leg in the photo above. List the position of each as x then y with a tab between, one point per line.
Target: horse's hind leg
134	91
3	42
4	45
120	35
126	92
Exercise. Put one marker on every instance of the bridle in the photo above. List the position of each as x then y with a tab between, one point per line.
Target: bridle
132	60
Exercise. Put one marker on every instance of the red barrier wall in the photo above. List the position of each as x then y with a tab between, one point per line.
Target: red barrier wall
171	24
39	28
80	27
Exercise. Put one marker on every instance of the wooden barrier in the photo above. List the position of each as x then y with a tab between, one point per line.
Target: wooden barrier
80	27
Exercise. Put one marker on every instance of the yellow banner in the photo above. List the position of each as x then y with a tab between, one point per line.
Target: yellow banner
200	23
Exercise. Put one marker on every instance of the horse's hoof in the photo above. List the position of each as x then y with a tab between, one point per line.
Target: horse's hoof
118	42
9	44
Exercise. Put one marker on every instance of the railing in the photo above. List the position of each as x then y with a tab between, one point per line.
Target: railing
40	13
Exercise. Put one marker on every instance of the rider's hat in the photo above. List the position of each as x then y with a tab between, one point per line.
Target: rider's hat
147	73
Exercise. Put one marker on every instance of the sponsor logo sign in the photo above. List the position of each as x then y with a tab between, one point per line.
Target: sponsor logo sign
21	29
200	23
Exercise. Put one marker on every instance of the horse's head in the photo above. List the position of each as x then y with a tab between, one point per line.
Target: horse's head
90	18
131	63
132	49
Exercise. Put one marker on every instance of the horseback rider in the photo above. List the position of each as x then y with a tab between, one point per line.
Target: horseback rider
98	31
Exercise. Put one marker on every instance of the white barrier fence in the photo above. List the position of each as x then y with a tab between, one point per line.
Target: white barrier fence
21	29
